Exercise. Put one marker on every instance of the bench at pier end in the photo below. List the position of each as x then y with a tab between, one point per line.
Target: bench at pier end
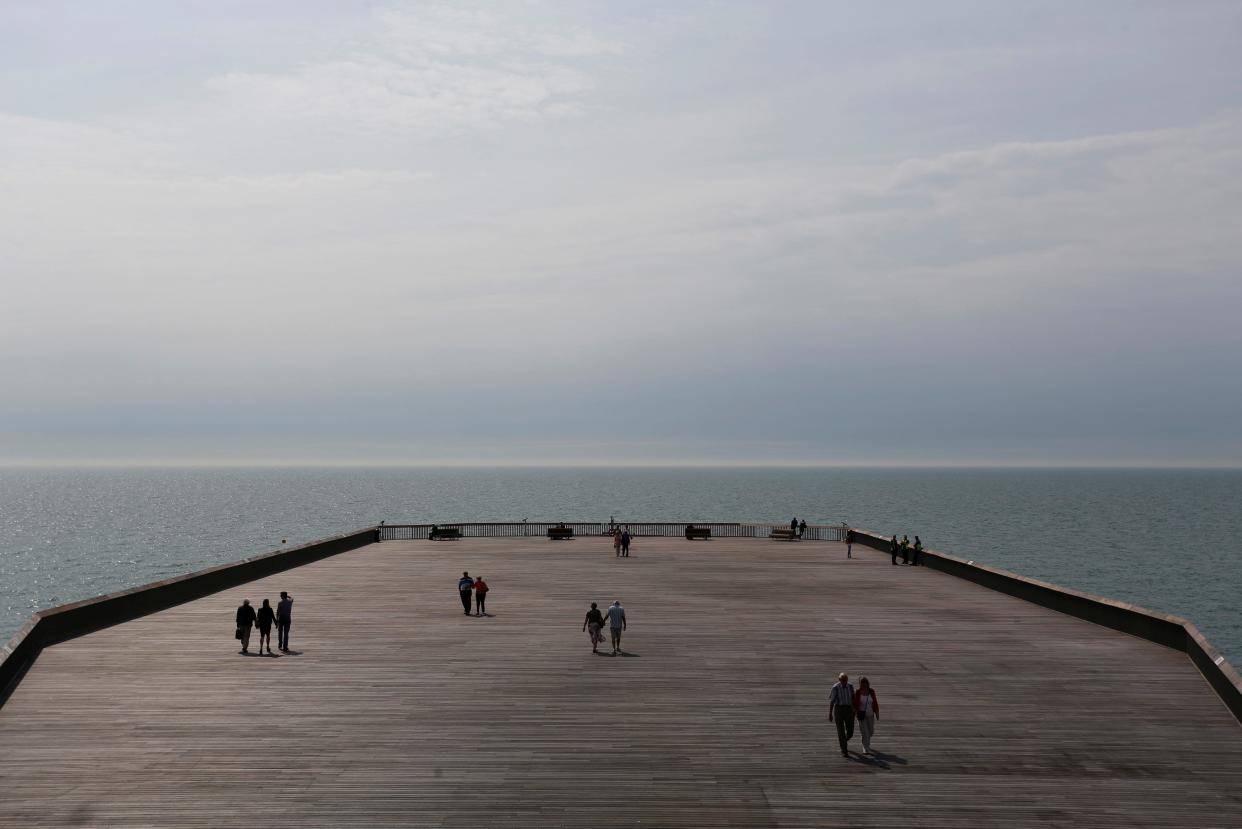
560	533
698	532
783	535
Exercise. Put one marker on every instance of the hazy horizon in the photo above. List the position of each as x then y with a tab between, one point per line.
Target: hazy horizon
565	234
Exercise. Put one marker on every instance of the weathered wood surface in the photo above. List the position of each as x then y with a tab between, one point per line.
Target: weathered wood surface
399	711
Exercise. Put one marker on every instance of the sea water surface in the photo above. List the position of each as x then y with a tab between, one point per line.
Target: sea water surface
1164	539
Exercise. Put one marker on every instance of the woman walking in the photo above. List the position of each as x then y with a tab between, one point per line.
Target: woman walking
264	620
480	596
595	624
867	710
616	543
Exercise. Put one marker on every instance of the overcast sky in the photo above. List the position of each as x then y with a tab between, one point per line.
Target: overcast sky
621	232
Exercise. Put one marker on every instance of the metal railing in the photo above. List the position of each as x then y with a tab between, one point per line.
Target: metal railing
668	529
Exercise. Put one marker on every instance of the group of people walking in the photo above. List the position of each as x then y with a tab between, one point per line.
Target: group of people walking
475	587
847	705
594	624
264	618
909	552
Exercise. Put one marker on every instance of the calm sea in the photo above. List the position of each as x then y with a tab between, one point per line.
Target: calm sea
1168	540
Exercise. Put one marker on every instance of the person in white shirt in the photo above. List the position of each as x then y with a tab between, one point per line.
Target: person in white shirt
841	710
616	624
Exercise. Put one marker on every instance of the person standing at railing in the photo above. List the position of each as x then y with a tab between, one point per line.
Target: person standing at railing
894	548
918	549
849	543
905	549
802	528
793	525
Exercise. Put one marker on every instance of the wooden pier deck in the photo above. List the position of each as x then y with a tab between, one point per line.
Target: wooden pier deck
397	710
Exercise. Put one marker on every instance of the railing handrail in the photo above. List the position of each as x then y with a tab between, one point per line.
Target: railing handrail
640	529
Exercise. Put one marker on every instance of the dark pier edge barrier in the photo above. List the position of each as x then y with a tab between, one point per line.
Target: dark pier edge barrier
47	627
1171	631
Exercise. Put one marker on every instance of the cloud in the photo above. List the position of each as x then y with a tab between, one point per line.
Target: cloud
540	204
440	71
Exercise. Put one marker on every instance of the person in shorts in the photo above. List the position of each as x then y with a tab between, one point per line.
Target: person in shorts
594	624
616	624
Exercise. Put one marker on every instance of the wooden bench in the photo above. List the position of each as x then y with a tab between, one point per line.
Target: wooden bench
784	534
698	532
444	534
560	533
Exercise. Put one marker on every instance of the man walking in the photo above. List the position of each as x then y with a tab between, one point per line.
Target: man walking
465	586
625	543
616	624
245	623
284	618
841	710
849	543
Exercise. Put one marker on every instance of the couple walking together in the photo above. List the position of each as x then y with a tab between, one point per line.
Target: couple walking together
264	617
621	543
465	585
845	705
595	624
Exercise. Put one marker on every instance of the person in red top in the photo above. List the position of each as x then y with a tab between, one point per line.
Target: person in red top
866	710
480	596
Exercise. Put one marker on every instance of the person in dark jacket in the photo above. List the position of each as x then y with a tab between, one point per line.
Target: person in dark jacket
625	543
905	549
245	622
264	619
802	528
918	550
465	586
894	548
284	619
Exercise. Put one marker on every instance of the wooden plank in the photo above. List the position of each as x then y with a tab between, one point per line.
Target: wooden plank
400	711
